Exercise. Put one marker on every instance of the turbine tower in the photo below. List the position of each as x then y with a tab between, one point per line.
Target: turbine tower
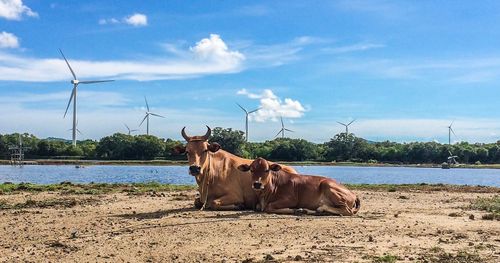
129	130
450	130
147	116
283	129
346	125
246	119
75	83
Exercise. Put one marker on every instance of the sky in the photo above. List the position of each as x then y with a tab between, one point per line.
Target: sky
403	70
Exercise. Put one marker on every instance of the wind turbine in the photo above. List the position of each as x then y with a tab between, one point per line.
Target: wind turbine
129	130
77	130
283	129
246	119
75	83
346	125
450	130
147	116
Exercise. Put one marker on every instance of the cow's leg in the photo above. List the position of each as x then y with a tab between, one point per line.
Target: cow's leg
226	202
343	210
282	207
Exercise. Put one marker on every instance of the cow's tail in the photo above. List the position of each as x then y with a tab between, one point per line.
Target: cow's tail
357	205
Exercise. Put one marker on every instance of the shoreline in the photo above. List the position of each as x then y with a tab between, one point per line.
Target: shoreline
106	188
183	163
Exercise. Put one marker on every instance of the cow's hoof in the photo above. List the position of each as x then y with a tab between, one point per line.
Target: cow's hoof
197	203
240	207
300	212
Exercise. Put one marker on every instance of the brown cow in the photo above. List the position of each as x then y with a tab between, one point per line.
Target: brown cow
220	184
287	193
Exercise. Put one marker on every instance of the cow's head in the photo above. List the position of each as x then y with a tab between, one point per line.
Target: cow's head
197	150
260	170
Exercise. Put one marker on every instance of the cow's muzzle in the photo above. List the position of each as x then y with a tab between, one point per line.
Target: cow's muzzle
194	170
257	185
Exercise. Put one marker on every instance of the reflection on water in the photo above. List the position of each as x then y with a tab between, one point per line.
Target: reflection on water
47	174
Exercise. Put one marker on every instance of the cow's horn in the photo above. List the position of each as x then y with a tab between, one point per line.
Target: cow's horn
209	131
184	135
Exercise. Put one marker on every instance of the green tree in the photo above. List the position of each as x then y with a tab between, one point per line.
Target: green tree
230	140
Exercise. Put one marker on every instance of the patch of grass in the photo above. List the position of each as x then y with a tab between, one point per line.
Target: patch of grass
424	187
92	188
385	259
58	202
460	257
491	205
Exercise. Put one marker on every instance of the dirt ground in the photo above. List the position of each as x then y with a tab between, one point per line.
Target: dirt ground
163	227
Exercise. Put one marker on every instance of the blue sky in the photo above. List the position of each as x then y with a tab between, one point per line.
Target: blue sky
403	69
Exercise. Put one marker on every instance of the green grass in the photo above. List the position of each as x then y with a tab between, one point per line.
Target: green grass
490	205
92	188
385	259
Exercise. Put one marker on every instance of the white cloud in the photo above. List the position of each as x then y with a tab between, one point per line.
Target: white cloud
272	107
108	21
14	10
137	20
208	56
8	40
353	48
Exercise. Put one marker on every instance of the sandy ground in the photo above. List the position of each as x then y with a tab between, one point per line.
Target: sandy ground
163	227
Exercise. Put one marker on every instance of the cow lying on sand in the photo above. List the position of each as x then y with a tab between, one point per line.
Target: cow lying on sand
286	193
220	184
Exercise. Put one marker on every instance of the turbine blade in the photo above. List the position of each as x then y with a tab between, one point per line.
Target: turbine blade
79	131
452	123
67	63
351	122
278	133
144	119
126	126
147	105
69	102
341	123
453	132
282	125
258	109
95	81
289	130
241	107
157	115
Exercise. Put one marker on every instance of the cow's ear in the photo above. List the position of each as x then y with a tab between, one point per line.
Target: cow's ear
244	167
275	167
213	147
179	149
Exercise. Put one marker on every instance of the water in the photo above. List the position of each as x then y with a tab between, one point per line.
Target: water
49	174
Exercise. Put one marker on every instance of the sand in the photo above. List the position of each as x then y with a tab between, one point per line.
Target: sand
420	226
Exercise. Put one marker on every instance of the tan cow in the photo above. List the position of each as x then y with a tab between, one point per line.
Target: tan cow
287	193
220	184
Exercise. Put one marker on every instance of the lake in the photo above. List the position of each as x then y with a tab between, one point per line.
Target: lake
49	174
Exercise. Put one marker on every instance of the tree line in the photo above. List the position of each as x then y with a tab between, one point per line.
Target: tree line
342	147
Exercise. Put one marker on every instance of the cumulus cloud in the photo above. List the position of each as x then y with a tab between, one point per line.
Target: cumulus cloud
272	107
14	10
209	56
135	20
8	40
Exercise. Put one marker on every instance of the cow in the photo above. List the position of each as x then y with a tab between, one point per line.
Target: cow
220	184
282	192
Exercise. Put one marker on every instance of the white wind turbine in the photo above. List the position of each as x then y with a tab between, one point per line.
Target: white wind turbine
246	119
75	83
129	130
147	116
346	125
283	129
450	130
